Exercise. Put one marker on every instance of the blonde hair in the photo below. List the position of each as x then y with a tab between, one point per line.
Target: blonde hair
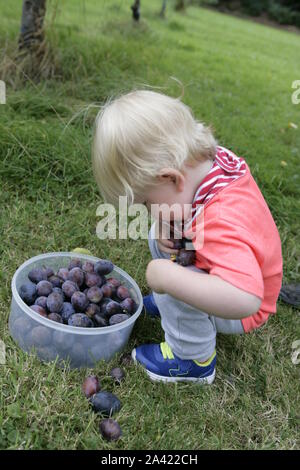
138	134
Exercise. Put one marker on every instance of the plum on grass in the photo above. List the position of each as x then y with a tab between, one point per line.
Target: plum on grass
110	429
76	275
105	402
80	320
55	302
37	274
79	301
118	318
28	292
41	301
55	317
44	288
69	288
40	310
67	311
94	294
90	386
103	267
117	374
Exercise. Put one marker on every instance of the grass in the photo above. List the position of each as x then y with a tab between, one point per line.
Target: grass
237	76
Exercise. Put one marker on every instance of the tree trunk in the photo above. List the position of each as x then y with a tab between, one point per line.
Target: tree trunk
136	10
33	15
180	5
163	8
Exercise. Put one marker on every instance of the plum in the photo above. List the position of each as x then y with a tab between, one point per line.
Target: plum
88	267
28	292
67	311
37	274
177	243
112	308
103	267
118	318
40	310
185	257
79	301
128	305
44	288
81	320
93	279
111	287
117	374
55	281
49	271
40	336
110	429
105	402
69	288
94	294
75	263
122	292
90	386
55	317
63	273
92	310
76	275
60	291
41	301
21	325
99	320
62	340
113	281
108	290
55	302
104	302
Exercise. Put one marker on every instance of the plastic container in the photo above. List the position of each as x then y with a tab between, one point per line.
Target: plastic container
82	347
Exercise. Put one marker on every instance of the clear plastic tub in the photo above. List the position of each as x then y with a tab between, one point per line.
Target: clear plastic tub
82	347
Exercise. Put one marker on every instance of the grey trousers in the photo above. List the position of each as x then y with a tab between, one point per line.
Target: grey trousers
190	333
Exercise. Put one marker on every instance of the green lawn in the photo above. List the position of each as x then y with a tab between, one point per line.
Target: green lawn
237	76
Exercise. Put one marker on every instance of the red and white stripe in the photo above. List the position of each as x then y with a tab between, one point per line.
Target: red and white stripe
227	167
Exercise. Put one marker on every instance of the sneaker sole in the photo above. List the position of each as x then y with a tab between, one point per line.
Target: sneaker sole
161	378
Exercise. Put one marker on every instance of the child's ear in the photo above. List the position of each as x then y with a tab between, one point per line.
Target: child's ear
173	176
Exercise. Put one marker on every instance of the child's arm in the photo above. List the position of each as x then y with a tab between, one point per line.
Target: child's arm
206	292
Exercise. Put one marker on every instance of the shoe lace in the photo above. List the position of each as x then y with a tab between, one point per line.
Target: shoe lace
166	351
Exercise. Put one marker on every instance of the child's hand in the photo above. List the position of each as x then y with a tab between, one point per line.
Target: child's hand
165	244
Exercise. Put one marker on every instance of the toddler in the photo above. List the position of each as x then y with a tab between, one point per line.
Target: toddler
149	147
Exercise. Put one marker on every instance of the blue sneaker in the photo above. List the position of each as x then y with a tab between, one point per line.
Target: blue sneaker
163	366
150	306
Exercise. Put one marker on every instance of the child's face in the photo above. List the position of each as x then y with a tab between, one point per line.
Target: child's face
175	189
